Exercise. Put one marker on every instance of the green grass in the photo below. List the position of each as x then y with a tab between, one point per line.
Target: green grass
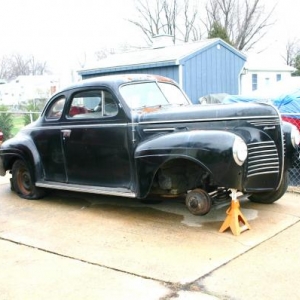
18	123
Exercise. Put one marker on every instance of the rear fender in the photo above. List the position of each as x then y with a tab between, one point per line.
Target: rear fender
26	150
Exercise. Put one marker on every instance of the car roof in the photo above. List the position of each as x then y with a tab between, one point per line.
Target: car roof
116	80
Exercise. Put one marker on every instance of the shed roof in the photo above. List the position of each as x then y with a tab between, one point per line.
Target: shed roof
158	57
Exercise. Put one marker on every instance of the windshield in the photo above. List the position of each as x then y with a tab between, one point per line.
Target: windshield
147	94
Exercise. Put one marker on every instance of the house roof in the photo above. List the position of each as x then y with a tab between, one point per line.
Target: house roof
266	62
158	57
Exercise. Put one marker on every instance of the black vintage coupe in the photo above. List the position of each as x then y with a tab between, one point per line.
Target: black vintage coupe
140	136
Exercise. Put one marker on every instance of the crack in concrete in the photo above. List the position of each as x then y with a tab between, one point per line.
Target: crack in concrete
174	287
84	261
199	281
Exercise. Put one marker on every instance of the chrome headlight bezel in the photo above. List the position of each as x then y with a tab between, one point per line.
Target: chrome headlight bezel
295	137
239	151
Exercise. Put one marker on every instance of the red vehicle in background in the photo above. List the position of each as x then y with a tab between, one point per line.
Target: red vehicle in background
1	137
294	121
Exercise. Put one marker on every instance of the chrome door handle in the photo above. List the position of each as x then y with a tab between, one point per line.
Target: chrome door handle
66	133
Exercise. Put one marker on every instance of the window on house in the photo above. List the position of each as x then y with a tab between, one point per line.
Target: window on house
254	82
278	77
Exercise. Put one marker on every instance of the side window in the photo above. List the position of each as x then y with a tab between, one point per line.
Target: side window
55	110
254	82
92	104
278	77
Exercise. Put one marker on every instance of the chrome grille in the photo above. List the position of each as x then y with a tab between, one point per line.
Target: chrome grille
264	122
262	158
284	144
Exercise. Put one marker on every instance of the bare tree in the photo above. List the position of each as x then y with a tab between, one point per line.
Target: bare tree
173	17
4	67
17	64
292	50
170	10
190	17
37	67
245	21
103	53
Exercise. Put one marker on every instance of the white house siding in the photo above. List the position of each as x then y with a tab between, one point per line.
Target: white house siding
269	69
264	79
26	88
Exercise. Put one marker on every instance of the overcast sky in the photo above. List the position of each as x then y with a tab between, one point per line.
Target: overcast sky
57	29
287	23
61	30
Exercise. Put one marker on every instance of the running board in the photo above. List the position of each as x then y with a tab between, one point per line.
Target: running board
87	189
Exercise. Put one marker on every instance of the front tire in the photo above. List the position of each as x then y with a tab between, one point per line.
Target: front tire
271	197
23	183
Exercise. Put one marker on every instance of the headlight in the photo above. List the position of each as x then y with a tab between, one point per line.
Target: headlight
239	151
295	137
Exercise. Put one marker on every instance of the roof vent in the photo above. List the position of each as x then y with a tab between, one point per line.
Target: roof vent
162	40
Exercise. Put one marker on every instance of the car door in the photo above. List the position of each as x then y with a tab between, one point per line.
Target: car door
95	141
48	140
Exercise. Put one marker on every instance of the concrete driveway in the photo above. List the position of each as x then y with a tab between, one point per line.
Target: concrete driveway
81	246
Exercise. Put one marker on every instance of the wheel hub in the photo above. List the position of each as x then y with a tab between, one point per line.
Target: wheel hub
198	202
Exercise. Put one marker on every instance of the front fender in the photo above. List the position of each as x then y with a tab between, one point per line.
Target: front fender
20	147
210	149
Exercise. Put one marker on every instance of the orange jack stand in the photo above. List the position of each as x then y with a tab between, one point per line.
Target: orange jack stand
235	219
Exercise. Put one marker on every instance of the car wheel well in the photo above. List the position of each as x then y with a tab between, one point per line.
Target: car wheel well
177	176
271	197
12	161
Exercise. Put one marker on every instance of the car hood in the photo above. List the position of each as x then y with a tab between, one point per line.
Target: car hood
199	112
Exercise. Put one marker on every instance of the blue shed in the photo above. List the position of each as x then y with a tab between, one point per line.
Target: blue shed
206	67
